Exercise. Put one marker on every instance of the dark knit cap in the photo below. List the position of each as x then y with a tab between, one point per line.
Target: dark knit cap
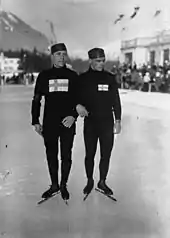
58	47
96	53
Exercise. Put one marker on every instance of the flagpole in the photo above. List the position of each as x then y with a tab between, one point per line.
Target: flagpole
123	35
52	31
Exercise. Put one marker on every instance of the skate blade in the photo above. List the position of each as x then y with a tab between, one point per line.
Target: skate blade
86	196
66	201
109	196
46	199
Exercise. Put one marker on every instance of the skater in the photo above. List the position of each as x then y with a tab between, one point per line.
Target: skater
98	98
58	86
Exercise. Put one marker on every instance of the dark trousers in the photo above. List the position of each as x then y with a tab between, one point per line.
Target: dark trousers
66	138
92	133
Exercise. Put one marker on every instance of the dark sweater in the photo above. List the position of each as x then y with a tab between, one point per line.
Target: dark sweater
58	86
98	92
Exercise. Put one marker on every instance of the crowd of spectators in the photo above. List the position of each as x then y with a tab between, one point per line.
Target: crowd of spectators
147	78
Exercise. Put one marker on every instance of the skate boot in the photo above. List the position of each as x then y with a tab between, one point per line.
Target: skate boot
51	191
88	188
64	192
102	186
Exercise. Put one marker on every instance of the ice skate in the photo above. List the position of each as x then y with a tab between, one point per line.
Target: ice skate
51	192
105	190
88	188
64	193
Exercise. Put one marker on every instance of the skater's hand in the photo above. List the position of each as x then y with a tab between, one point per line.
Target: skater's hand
81	110
68	121
38	129
117	127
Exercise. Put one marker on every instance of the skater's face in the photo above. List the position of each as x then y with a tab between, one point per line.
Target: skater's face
60	58
98	63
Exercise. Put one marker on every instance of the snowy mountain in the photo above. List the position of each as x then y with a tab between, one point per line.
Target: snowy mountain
16	34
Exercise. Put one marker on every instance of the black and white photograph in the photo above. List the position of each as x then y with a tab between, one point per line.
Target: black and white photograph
84	119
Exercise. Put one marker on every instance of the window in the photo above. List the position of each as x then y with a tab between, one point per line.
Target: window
152	57
166	55
128	58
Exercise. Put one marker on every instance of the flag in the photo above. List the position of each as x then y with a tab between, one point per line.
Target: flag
157	13
58	85
136	9
119	18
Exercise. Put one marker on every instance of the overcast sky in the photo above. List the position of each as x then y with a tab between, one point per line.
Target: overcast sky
83	24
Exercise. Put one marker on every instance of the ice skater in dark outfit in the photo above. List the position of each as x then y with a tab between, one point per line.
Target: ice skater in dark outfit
58	86
98	99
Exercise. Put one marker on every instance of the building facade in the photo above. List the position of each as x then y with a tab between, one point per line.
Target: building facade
9	66
152	50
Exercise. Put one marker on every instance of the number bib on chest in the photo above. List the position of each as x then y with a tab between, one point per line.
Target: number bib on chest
58	85
103	87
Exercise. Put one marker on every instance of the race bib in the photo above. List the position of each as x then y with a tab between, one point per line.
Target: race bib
58	85
103	87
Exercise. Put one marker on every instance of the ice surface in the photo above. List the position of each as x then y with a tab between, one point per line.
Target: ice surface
139	175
